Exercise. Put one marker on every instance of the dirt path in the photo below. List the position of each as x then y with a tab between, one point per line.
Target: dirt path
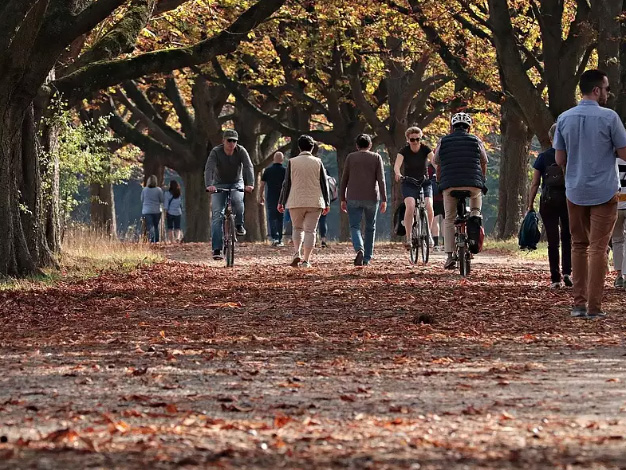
188	364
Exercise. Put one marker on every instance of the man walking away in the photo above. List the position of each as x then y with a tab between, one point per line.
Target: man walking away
586	140
272	178
362	185
227	167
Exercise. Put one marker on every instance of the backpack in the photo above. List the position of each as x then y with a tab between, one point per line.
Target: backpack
475	234
553	191
332	188
529	233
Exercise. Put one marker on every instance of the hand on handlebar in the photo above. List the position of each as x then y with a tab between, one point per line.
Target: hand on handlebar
248	189
398	177
211	189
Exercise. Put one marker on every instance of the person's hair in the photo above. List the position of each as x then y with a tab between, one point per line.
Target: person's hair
306	143
152	181
174	189
363	141
413	130
552	131
591	79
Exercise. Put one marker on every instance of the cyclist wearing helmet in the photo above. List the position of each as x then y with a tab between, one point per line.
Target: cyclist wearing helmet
414	156
461	162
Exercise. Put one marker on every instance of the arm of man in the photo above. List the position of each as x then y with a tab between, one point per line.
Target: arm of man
262	192
248	170
343	187
284	192
209	169
324	188
397	165
436	163
382	185
483	159
559	145
534	186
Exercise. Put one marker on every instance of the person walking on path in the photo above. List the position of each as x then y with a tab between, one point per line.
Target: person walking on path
619	232
228	167
305	194
272	179
151	200
362	186
173	212
587	139
461	162
413	159
553	211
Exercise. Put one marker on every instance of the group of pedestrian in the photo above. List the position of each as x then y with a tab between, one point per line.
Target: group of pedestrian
154	201
583	195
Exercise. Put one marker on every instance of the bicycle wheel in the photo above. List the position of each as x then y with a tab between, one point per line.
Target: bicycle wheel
424	237
229	240
413	251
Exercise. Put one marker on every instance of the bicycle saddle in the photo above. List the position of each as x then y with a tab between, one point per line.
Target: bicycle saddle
460	194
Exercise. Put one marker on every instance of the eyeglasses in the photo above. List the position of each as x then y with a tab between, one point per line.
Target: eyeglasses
232	141
413	139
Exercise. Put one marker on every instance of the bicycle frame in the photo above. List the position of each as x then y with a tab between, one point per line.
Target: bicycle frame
228	226
461	252
420	229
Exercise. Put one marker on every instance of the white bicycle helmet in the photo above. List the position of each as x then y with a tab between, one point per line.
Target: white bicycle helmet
461	118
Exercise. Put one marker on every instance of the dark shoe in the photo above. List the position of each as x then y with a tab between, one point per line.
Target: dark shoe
450	264
295	262
619	282
594	315
241	231
324	245
358	261
579	311
567	280
217	255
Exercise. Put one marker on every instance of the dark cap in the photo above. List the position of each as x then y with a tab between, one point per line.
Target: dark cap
231	134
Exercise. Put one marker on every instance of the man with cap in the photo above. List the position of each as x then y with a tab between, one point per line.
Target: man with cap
228	167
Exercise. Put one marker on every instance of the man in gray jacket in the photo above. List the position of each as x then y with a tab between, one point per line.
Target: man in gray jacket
228	167
362	185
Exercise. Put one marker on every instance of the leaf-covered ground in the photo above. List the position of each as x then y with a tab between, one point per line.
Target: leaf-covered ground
187	364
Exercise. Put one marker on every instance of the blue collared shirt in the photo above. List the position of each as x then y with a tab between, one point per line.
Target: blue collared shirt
589	134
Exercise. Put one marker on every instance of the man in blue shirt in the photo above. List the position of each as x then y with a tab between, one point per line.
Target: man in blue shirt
272	178
588	140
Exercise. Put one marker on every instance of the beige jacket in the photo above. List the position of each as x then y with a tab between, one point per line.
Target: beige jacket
305	183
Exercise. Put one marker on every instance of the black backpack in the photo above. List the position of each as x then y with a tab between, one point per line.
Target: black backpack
553	191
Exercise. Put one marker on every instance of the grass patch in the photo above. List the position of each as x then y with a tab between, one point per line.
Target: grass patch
511	247
85	254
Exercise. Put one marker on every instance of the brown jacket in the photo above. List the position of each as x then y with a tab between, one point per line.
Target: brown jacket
363	177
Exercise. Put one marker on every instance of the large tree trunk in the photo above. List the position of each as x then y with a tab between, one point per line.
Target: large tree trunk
513	181
344	224
255	221
197	211
102	208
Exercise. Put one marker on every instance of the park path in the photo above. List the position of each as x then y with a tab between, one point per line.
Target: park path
187	364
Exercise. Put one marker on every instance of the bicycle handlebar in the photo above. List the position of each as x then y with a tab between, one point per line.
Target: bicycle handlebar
226	190
413	181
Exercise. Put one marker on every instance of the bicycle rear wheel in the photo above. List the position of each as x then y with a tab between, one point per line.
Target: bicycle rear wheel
424	237
464	261
229	240
413	251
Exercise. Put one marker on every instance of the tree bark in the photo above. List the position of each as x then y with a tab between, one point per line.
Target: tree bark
197	211
344	224
513	189
102	208
255	221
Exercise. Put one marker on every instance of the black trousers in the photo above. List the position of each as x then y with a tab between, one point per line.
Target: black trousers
556	222
276	221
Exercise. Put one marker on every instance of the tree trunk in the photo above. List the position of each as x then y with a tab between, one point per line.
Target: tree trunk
344	224
256	226
196	206
513	183
102	208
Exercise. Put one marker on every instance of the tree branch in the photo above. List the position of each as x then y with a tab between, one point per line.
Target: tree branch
103	74
184	117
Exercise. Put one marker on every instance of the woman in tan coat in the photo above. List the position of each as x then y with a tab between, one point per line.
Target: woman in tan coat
305	194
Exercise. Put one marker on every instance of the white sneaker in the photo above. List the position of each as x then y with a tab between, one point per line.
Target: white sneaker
556	285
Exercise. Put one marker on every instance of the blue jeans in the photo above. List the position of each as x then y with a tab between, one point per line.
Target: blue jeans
218	205
276	221
152	226
356	211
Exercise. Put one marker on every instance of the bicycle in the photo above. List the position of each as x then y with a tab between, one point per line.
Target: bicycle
228	226
461	240
420	230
